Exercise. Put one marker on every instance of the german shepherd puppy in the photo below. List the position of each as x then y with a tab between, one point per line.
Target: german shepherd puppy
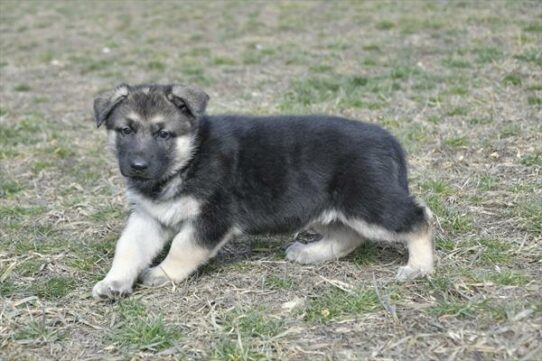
199	180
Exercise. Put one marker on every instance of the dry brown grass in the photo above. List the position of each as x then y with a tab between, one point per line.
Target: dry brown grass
458	82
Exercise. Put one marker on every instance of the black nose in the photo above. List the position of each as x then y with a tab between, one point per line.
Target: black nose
138	164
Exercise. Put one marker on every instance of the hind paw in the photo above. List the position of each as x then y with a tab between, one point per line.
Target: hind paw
408	273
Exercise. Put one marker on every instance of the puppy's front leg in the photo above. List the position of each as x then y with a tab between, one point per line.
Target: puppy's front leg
186	254
140	242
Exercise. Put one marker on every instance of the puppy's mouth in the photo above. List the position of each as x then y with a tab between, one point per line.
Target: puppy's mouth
136	177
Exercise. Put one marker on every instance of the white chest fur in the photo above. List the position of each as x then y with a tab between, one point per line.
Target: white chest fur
170	212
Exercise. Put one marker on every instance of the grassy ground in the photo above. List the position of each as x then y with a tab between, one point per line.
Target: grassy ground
459	83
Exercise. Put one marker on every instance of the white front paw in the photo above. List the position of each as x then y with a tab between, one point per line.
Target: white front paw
111	289
154	277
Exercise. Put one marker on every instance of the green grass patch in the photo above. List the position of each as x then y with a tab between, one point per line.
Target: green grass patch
310	91
459	310
61	151
321	69
38	331
442	282
339	45
22	88
459	110
29	268
512	79
481	121
365	254
425	82
105	247
531	56
412	25
39	165
458	90
369	61
451	218
279	283
457	142
200	51
222	60
445	245
88	64
229	350
437	205
487	183
509	131
535	87
434	119
490	251
336	303
509	278
459	222
455	62
403	72
142	330
371	47
7	288
253	56
532	160
385	25
156	65
90	256
24	132
253	323
534	101
413	136
533	27
195	72
489	54
107	213
470	310
343	91
530	210
27	236
85	264
18	212
9	188
54	287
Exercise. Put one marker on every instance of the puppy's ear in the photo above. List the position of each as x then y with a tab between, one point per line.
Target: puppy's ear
188	98
106	102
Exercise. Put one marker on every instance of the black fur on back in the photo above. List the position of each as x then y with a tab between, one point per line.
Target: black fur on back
278	173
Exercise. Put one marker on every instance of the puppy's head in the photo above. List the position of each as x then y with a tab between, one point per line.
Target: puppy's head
151	128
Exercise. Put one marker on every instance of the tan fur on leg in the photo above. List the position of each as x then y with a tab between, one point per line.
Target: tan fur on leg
420	255
184	257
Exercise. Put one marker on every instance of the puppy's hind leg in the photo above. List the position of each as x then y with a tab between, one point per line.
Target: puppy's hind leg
337	241
420	254
418	238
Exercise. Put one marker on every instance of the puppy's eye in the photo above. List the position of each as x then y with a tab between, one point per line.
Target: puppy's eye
164	134
126	130
183	107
